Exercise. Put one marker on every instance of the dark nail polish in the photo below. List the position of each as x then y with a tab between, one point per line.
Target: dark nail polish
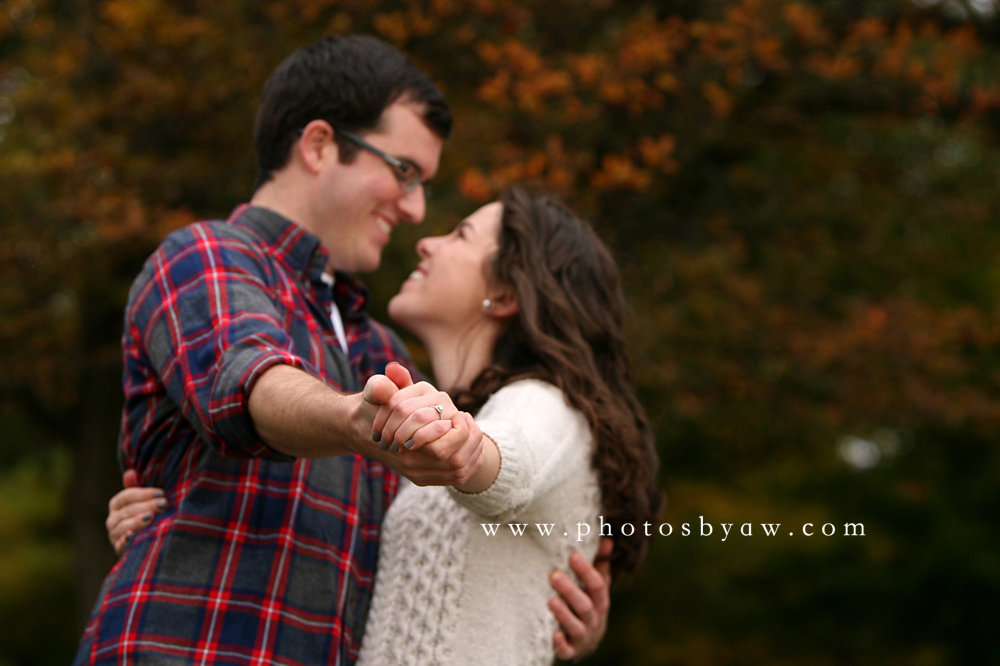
158	493
408	443
383	445
162	504
377	436
148	517
394	447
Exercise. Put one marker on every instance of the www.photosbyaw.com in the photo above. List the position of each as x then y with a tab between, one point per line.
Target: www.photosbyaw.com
702	528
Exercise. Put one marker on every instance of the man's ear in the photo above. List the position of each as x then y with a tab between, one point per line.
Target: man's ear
315	145
502	304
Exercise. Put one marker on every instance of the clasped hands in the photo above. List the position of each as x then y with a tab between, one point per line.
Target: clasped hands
428	446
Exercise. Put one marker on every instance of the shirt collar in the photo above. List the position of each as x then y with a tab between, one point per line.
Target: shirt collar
305	254
299	247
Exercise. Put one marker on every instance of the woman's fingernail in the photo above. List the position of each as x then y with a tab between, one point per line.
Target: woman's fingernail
377	436
148	517
394	447
162	504
158	493
383	445
408	443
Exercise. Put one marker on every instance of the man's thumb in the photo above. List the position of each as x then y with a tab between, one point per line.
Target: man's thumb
379	389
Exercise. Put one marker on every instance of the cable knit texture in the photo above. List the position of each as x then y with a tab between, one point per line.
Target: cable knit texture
463	578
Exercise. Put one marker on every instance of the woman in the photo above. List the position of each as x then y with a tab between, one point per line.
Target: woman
521	312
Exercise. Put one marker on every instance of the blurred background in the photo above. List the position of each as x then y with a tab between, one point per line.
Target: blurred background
804	198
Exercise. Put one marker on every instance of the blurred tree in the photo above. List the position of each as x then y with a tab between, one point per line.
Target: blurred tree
802	196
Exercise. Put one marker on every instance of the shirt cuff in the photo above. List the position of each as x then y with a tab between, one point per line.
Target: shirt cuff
239	370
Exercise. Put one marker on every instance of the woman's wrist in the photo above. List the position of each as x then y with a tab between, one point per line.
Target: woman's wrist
487	472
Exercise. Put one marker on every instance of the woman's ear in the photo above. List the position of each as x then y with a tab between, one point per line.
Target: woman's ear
501	304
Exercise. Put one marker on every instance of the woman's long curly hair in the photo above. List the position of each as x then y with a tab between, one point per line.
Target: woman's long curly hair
568	332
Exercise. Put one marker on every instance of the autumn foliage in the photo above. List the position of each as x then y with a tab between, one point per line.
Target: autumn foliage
803	200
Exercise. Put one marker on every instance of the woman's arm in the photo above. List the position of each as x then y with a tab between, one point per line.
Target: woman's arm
487	472
131	509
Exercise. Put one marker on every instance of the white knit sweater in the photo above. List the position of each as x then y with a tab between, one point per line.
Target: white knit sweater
447	591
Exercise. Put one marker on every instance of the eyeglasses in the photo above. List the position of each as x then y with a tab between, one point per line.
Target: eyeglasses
408	174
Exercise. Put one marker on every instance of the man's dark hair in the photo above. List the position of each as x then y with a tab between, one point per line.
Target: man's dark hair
347	81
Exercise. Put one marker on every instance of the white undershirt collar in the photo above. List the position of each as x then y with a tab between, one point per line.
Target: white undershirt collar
335	318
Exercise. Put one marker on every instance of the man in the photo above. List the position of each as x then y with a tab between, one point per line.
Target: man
242	376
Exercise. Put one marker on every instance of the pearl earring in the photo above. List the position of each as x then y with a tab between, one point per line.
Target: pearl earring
486	303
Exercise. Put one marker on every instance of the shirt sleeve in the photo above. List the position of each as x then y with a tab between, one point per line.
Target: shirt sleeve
205	309
536	432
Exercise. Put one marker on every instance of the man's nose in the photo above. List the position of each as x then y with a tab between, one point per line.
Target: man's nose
413	205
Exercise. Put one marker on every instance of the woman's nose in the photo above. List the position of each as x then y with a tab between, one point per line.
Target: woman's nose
424	246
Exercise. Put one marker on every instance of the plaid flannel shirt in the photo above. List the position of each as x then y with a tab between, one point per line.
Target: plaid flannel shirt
260	558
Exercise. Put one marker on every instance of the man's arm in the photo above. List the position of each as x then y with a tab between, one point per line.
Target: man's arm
297	414
582	612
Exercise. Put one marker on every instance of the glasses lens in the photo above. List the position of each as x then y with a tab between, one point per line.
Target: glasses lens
411	179
408	175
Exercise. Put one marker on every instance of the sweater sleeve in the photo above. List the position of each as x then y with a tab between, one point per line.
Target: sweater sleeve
536	432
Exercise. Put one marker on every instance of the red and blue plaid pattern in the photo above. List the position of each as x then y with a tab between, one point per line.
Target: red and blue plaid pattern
260	558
